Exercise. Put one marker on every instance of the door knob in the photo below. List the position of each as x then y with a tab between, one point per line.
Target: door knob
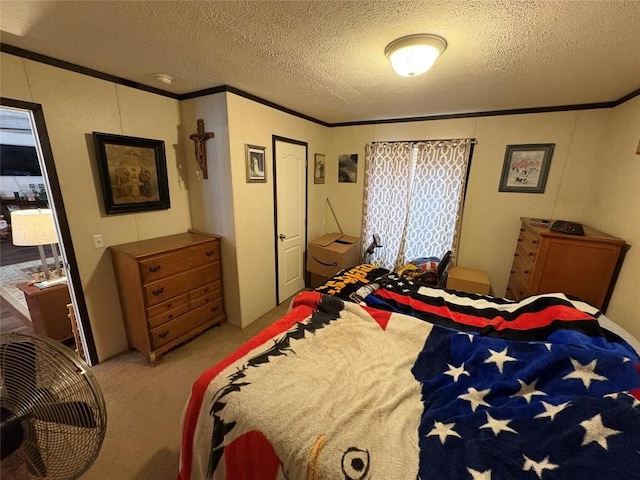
282	236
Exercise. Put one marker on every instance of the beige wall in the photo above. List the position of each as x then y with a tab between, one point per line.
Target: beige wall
244	212
593	178
613	205
74	106
491	218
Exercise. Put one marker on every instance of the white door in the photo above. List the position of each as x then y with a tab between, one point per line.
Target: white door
291	185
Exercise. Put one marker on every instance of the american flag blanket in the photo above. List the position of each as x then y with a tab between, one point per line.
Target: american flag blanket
420	384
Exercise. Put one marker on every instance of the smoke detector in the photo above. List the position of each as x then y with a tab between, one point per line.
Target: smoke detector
163	78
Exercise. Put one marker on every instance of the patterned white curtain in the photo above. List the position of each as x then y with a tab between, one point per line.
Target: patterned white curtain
413	199
385	207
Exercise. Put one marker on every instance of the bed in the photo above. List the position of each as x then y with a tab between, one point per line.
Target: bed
378	377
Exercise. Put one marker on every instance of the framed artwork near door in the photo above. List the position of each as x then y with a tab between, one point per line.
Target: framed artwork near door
133	173
255	159
318	168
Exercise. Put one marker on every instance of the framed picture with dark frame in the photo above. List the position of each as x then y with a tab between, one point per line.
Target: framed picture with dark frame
133	173
255	159
318	168
526	168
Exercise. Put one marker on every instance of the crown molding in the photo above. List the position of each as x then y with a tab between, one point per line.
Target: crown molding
37	57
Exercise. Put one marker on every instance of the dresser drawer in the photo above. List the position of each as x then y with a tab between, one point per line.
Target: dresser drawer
163	266
216	303
521	268
168	315
167	288
183	324
164	307
529	243
512	290
205	294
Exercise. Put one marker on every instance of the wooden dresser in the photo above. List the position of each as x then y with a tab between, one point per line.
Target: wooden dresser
170	290
581	266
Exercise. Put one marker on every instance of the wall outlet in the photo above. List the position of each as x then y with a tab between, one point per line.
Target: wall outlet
98	241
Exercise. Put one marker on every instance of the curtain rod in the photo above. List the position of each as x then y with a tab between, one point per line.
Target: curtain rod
472	142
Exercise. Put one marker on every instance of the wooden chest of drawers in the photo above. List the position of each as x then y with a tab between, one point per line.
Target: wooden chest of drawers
581	266
170	290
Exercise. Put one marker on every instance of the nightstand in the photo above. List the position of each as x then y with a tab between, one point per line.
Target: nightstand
48	310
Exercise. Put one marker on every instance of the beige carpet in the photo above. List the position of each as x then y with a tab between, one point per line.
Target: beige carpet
144	404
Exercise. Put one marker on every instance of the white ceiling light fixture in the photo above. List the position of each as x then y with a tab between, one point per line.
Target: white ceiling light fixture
413	55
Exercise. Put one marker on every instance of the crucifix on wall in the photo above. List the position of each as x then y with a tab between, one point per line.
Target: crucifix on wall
201	151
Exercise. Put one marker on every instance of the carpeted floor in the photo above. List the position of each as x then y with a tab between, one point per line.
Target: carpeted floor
144	404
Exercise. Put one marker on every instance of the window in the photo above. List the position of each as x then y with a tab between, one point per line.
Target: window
413	198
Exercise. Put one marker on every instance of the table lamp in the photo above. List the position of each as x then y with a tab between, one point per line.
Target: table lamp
35	227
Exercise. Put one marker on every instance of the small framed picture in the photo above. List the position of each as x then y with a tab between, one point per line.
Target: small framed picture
348	168
318	168
255	158
526	168
133	173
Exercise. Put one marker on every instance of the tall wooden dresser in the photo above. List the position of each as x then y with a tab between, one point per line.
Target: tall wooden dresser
170	290
581	266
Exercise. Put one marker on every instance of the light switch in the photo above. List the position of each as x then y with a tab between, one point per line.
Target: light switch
98	241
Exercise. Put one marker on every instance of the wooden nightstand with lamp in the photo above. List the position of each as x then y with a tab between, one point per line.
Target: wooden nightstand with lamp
47	300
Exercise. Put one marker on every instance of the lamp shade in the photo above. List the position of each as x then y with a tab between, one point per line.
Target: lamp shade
413	55
33	227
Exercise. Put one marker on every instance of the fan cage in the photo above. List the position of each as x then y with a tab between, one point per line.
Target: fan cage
67	451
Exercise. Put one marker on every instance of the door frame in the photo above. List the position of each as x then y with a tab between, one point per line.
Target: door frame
274	139
60	217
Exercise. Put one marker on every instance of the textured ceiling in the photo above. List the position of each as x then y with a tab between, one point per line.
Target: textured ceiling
326	59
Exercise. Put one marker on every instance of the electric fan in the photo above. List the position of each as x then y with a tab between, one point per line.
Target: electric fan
51	407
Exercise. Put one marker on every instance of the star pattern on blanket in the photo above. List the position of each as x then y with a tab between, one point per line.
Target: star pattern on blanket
476	475
443	430
495	390
455	372
476	398
528	390
595	431
497	426
500	358
585	373
616	395
538	467
550	410
468	335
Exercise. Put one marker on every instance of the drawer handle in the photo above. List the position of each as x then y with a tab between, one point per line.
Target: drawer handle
526	271
534	241
170	316
163	334
155	268
531	254
210	253
519	239
158	291
516	255
214	309
513	271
